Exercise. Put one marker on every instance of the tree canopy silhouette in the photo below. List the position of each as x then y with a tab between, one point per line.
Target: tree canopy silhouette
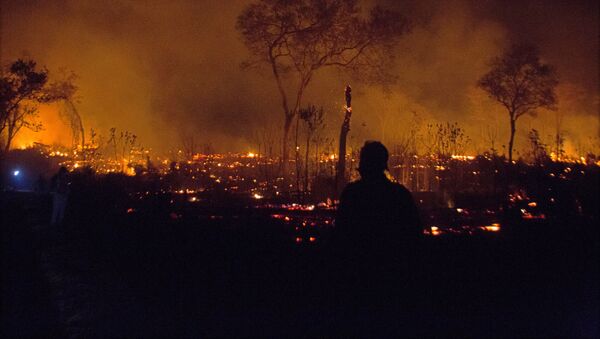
23	86
521	83
297	38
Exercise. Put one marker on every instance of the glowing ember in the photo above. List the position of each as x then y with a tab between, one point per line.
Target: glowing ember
495	227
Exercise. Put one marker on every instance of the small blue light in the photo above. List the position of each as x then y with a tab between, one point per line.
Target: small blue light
16	173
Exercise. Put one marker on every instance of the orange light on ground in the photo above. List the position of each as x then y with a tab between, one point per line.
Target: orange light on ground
298	239
462	157
312	239
130	210
435	230
495	227
529	216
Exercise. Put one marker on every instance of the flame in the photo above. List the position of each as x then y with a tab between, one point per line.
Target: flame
495	227
54	130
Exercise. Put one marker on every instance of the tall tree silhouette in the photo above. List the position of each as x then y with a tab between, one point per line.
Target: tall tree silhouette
521	83
295	39
313	118
340	174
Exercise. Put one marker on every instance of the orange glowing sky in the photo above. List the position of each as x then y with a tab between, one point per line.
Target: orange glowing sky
165	68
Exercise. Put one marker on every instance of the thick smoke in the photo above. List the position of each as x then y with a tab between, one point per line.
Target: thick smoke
163	69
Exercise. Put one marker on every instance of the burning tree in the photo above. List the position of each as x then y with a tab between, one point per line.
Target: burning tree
23	87
521	83
295	39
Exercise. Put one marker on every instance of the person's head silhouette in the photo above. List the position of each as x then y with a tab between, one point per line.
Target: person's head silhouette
373	159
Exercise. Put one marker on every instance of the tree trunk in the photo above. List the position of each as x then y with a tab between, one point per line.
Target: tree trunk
316	159
340	175
297	155
512	139
82	131
285	155
306	163
11	131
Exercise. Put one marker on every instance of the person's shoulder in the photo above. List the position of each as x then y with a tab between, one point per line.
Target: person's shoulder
400	189
352	188
354	185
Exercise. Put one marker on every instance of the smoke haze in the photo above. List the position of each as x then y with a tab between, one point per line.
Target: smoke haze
163	69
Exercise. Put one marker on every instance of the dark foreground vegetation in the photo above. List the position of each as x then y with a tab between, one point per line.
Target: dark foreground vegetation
107	272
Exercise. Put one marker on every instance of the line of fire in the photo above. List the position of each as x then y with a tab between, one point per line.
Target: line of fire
456	193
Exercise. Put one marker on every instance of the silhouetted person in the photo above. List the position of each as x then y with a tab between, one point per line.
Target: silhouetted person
40	184
374	213
376	239
60	192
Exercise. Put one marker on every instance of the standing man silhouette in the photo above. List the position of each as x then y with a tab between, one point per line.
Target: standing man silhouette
60	188
375	213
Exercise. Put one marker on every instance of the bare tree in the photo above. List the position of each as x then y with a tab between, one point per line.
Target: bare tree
70	113
313	118
188	143
297	38
521	83
90	150
125	142
340	175
491	135
559	139
539	154
266	136
64	90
